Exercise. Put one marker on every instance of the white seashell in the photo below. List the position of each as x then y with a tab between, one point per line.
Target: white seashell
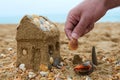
31	74
42	21
43	28
52	25
57	77
2	55
69	78
22	67
46	22
118	63
43	73
10	49
88	78
36	21
104	58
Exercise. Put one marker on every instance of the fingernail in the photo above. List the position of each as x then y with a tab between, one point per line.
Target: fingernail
75	36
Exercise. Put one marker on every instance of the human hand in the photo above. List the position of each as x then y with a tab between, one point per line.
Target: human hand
81	19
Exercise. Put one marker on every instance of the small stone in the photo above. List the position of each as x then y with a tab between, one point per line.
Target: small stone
43	67
51	74
22	67
56	62
43	73
73	44
77	59
31	75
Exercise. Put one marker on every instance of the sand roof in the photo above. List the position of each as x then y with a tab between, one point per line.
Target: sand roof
36	27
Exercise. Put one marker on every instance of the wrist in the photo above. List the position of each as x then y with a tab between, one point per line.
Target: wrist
109	4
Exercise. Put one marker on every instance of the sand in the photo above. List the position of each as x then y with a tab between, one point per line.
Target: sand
105	37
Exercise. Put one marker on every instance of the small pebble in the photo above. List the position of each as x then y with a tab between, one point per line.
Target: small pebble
10	49
69	78
57	77
43	73
22	67
31	75
2	55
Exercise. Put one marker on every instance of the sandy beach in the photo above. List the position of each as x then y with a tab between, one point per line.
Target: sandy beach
105	37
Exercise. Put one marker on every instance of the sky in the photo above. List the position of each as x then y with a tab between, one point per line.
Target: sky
21	7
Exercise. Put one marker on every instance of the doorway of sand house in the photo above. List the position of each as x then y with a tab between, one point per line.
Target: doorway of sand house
36	56
57	45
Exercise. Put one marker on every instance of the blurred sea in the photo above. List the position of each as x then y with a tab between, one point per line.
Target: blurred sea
61	18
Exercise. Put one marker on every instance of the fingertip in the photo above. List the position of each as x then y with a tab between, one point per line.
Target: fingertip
75	35
68	33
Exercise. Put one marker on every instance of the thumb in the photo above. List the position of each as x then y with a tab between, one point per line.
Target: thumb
89	28
80	29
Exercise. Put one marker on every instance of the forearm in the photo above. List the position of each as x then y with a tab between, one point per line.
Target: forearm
109	4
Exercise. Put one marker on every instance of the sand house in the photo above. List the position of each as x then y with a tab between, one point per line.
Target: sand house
37	40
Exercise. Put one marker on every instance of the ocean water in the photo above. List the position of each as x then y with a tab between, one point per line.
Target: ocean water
61	18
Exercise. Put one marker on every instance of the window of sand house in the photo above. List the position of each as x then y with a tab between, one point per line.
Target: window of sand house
50	49
57	46
24	51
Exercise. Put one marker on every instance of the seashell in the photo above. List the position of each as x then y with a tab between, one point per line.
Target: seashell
10	49
51	60
22	67
57	77
62	63
88	78
104	58
73	44
2	55
35	16
47	23
43	28
94	57
24	52
85	68
44	74
31	75
69	78
118	63
36	21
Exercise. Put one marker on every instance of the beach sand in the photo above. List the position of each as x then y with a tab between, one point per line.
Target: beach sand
105	37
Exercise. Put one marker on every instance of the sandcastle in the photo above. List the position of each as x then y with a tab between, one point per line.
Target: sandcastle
37	41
